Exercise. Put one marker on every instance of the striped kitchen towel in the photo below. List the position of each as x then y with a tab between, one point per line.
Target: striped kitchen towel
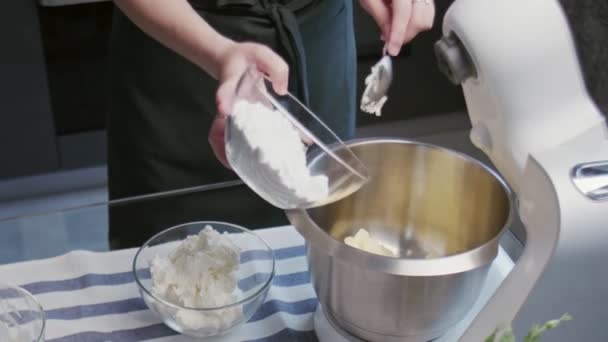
92	297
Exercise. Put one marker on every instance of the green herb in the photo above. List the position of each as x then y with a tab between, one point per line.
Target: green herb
534	335
503	335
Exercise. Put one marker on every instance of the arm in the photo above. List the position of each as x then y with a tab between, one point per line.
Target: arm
176	25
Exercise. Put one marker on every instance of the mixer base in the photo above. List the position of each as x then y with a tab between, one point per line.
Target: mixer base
327	332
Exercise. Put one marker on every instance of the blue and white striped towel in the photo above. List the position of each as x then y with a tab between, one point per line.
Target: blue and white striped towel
92	297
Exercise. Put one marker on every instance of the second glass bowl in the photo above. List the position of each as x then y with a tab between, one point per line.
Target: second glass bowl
254	277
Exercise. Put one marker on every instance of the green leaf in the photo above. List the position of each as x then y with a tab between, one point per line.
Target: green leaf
507	336
503	335
537	331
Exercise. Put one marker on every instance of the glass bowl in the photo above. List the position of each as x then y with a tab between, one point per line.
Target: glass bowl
254	276
332	170
22	318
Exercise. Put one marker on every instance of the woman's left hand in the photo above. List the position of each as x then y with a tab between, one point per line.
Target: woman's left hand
233	63
400	20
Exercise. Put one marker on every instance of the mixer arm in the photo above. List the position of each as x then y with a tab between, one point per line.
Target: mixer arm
560	215
525	96
539	211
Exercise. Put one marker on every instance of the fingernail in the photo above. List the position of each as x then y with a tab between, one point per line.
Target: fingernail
282	90
394	49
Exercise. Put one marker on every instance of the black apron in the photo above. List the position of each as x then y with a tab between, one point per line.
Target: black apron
162	107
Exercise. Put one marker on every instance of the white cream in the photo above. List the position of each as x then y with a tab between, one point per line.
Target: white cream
267	151
372	81
199	273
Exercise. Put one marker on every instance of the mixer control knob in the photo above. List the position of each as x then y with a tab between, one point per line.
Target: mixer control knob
453	59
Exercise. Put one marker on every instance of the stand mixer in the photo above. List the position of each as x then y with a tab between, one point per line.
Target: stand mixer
532	115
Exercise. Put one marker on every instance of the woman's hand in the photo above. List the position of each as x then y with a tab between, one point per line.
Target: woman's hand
233	63
400	20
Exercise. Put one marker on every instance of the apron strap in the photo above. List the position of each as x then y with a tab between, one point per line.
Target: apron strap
283	18
290	38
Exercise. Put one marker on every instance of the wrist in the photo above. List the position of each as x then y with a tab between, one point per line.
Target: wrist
219	49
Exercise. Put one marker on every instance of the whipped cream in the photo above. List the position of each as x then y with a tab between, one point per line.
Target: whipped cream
372	82
200	273
268	153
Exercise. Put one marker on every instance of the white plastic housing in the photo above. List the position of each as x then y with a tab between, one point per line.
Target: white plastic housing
532	115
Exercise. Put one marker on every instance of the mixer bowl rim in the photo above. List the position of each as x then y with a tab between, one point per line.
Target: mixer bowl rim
482	255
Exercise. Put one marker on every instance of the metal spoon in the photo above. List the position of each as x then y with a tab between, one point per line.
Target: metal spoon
377	85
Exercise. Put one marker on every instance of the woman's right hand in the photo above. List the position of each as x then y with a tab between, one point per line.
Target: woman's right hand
233	63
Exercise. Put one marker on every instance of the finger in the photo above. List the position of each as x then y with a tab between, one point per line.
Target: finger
400	17
305	138
422	18
216	140
274	66
224	97
381	14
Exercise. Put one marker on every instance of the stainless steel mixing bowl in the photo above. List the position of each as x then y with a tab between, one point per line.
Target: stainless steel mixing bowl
441	210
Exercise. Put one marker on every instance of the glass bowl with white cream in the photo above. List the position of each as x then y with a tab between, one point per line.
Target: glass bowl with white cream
22	318
204	279
284	152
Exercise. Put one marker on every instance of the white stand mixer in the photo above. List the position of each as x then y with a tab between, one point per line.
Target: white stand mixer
532	115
